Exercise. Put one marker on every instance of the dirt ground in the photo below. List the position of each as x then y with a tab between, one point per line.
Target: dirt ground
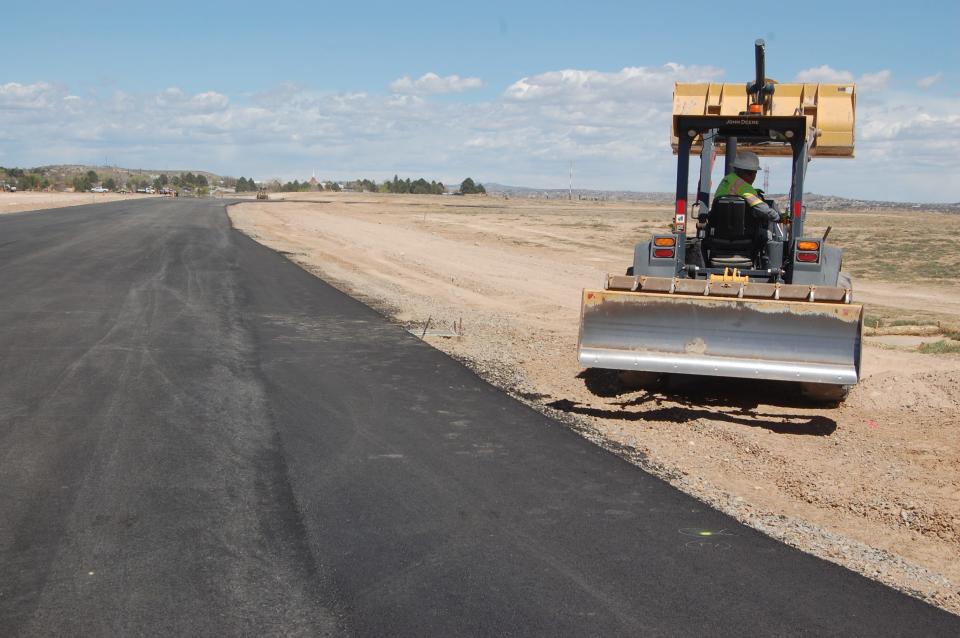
25	201
873	485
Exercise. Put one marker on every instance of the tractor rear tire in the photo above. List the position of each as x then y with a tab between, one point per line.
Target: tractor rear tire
825	393
633	380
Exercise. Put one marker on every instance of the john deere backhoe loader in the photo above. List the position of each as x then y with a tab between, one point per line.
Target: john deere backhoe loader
741	297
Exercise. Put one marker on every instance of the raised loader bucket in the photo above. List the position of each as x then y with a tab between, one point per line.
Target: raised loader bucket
747	338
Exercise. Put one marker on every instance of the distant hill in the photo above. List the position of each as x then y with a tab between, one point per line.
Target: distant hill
813	201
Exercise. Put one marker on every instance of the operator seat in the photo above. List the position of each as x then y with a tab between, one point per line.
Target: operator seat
734	238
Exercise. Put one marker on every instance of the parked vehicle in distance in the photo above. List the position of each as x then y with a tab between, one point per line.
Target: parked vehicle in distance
99	189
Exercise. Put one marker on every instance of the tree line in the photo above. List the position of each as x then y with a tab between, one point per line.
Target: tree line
409	186
245	185
414	187
41	179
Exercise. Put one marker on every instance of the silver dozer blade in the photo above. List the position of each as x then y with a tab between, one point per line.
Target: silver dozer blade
746	338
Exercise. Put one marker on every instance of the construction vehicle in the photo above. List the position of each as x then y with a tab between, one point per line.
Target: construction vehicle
740	297
262	194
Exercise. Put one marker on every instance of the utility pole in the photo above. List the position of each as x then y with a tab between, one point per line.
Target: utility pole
766	180
570	192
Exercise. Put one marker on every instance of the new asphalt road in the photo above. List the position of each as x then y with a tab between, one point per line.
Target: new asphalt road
198	438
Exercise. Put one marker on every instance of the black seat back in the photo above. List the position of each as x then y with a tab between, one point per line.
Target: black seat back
734	236
729	219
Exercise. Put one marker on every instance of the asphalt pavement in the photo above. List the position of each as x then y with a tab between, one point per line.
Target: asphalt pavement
199	438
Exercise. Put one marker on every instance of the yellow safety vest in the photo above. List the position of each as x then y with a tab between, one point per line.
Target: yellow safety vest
732	184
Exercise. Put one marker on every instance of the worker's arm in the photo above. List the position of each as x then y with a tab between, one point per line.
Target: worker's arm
761	210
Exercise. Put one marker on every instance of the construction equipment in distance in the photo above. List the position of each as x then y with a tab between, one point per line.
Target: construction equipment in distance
262	194
738	299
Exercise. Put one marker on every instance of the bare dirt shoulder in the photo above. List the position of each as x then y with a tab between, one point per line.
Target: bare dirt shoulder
27	201
873	485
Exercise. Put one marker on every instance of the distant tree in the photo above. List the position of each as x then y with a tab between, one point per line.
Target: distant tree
110	183
29	181
469	187
164	180
81	183
92	177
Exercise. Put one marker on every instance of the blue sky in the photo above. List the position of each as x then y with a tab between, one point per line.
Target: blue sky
284	89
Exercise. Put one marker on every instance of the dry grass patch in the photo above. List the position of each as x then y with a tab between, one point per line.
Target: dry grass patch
940	347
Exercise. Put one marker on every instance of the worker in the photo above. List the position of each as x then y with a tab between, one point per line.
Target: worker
740	184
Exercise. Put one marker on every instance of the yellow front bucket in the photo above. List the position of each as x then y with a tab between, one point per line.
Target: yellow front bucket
725	337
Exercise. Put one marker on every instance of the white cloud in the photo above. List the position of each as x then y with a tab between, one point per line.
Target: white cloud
871	82
597	86
930	80
433	84
874	81
28	96
824	73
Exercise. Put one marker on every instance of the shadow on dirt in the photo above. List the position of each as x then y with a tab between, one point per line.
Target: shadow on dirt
731	400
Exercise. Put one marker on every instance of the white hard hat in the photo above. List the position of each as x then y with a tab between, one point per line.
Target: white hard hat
747	161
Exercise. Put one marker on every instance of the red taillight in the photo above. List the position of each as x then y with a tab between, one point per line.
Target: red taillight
808	257
681	207
797	209
755	108
663	252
